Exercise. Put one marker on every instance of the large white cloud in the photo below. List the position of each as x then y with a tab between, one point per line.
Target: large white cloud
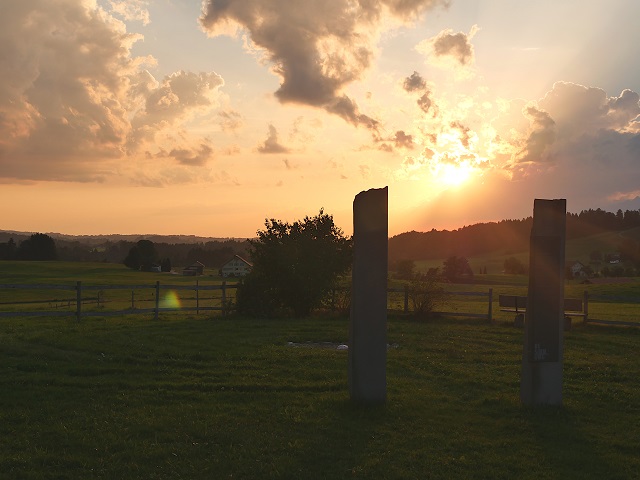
73	99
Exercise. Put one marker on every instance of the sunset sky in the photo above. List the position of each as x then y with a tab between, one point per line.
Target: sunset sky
184	117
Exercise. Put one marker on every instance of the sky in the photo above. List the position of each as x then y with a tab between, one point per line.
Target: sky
208	117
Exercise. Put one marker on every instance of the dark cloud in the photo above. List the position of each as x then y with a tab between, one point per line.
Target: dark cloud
414	82
271	144
455	45
450	46
316	48
192	158
346	108
402	140
426	104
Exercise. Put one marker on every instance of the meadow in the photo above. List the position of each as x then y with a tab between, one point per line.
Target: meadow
202	396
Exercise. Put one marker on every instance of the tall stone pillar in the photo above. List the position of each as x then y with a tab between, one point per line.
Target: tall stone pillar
541	380
368	319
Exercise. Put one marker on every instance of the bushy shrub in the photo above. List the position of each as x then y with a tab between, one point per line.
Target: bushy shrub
426	293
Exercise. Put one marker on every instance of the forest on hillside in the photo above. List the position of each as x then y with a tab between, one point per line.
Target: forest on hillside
506	236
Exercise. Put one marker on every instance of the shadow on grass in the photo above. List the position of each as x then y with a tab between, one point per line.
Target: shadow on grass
563	447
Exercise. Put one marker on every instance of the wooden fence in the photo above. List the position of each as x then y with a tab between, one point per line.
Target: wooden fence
81	300
489	295
75	305
87	296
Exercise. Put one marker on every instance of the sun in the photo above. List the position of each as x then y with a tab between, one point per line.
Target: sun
454	175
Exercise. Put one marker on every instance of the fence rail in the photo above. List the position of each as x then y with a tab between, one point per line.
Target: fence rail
76	306
488	294
79	300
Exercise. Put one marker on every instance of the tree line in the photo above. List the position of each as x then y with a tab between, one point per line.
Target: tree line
510	236
40	246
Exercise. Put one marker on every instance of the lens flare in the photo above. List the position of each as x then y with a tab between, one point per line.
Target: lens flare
170	300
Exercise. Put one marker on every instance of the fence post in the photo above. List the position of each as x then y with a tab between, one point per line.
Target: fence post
133	304
157	299
406	299
224	298
490	313
197	299
585	302
78	300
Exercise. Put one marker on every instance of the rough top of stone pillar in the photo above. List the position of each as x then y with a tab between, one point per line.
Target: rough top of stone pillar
374	200
549	216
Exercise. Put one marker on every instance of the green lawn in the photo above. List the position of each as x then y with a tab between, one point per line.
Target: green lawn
192	398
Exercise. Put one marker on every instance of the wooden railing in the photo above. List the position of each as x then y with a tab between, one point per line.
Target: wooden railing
81	300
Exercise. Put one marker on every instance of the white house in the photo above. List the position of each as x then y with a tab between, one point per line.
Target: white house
236	267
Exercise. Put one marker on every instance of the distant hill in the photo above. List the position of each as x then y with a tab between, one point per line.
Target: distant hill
94	240
506	236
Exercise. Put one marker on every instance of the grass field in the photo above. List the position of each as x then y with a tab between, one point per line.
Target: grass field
190	397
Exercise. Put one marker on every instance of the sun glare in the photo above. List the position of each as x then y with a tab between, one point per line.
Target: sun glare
454	175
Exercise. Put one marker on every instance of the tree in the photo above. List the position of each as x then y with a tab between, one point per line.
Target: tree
165	265
38	246
426	293
142	255
8	250
405	269
455	267
514	266
294	266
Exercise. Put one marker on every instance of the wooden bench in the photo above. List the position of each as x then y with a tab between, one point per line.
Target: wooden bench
573	307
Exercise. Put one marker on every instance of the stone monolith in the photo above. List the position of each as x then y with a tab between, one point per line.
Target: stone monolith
368	319
541	380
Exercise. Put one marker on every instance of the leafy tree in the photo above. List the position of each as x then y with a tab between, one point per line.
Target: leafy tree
142	255
38	246
294	266
514	266
405	269
455	268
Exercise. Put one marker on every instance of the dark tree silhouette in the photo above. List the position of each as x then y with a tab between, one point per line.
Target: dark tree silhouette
405	269
141	256
514	266
294	266
454	268
8	250
38	246
165	265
